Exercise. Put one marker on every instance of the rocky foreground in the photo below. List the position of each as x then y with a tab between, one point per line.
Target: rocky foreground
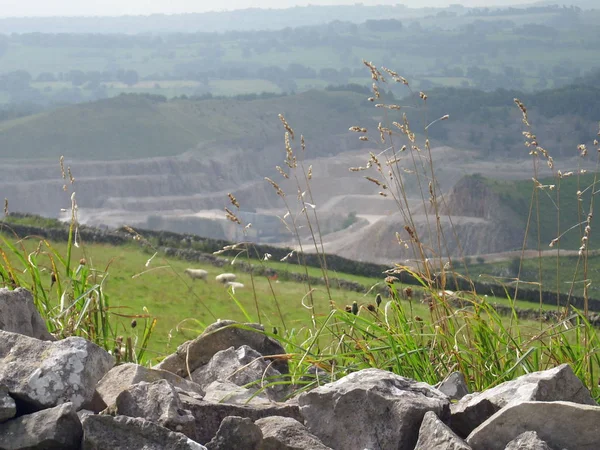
220	391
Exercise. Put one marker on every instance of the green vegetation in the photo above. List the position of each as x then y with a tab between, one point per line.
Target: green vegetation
298	49
339	331
566	278
140	126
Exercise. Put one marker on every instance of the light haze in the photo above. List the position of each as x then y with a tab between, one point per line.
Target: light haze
30	8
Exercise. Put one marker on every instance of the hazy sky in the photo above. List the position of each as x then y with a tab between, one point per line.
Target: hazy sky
12	8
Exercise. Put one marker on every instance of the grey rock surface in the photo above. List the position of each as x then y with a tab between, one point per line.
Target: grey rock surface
210	415
158	402
562	425
237	432
285	433
104	432
436	435
8	407
18	314
53	428
44	374
454	386
121	377
242	366
371	409
228	392
220	336
559	383
528	441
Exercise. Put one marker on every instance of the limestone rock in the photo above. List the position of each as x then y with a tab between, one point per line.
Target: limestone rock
435	435
220	336
157	402
53	428
18	314
121	377
237	432
8	407
210	415
528	441
242	366
228	392
454	386
559	383
103	432
561	424
285	433
43	374
371	409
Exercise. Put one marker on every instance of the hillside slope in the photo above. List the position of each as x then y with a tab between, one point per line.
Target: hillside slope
135	126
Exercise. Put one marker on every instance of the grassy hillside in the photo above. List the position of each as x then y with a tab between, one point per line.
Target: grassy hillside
132	126
184	307
565	276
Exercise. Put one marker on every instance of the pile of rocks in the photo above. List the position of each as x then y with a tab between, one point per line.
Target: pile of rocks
224	390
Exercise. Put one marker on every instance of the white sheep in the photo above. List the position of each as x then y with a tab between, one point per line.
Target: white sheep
225	277
233	285
197	274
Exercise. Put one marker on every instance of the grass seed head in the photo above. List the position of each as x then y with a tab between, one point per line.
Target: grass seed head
286	125
232	217
233	200
62	167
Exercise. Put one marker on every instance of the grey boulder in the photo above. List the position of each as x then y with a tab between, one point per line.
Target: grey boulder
528	441
563	425
242	366
559	383
103	432
157	402
371	409
210	415
228	392
454	386
55	428
43	374
220	336
18	314
237	433
285	433
8	407
435	435
121	377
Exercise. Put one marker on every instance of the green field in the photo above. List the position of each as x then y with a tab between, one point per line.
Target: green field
183	306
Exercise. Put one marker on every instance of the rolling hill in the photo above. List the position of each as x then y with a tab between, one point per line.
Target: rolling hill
139	126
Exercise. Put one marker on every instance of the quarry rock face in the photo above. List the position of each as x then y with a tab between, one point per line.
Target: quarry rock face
51	392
